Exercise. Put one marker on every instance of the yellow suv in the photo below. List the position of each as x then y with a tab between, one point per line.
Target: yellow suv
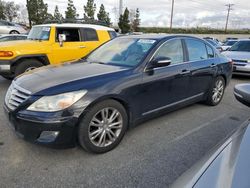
51	44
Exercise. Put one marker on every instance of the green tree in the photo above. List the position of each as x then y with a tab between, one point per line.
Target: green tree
137	21
11	10
57	15
70	13
89	10
124	23
103	16
2	15
37	11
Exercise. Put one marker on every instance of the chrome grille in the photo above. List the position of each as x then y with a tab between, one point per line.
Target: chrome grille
16	96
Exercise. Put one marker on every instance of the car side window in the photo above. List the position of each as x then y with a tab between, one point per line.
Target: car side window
210	52
196	49
172	49
72	34
2	23
112	34
89	34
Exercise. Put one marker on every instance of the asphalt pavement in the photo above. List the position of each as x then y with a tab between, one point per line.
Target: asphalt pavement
153	154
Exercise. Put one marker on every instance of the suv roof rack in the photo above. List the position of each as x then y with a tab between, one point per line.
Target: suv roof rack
79	21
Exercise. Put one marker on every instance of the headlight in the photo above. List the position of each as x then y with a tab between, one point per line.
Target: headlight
248	60
56	102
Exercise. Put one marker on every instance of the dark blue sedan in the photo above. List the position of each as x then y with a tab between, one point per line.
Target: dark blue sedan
125	81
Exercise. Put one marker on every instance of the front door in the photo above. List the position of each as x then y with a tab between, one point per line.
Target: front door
73	48
166	86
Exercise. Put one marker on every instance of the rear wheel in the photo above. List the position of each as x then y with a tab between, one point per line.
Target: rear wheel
14	32
216	92
103	127
27	65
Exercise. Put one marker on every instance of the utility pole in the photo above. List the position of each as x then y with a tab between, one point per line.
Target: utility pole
171	19
121	8
28	9
229	8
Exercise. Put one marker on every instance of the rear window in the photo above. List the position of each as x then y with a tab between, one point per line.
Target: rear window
196	49
210	52
89	34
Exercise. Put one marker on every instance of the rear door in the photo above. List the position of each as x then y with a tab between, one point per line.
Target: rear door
73	48
91	40
202	65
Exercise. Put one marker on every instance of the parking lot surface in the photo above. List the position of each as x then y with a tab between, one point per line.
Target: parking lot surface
153	154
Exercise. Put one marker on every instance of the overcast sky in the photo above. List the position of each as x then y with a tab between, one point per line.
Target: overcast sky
187	13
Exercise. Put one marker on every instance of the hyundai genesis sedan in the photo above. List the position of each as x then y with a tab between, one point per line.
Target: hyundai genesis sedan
127	80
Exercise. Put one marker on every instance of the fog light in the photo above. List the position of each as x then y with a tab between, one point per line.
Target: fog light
48	136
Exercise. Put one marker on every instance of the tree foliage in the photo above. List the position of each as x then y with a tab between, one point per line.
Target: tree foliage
57	15
136	21
2	14
11	10
89	10
37	11
103	16
70	13
8	10
124	23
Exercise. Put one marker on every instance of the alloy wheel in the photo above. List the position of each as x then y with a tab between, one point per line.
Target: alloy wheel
105	127
30	68
218	91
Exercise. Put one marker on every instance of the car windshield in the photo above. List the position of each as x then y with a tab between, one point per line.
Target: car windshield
229	43
39	33
241	46
122	52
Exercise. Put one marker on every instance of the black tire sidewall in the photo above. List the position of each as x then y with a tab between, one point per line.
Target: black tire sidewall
14	32
210	100
83	137
25	64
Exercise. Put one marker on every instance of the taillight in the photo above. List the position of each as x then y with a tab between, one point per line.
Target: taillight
6	54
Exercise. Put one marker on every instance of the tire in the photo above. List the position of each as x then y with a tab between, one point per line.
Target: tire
216	92
103	131
8	77
27	65
14	32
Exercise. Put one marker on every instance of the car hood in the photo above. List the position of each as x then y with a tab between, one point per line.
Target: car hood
24	46
51	76
237	55
226	166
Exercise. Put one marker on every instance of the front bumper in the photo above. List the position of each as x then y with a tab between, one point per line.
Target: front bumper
241	69
58	133
5	67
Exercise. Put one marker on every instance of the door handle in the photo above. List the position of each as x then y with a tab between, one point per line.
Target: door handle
183	72
82	46
213	65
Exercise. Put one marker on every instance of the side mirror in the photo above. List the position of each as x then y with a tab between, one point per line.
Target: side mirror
161	62
242	93
61	39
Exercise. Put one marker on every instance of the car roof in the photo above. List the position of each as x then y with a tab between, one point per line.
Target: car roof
248	40
92	26
159	36
7	35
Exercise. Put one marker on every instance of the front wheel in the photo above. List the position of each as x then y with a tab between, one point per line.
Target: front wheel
27	65
103	127
216	92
